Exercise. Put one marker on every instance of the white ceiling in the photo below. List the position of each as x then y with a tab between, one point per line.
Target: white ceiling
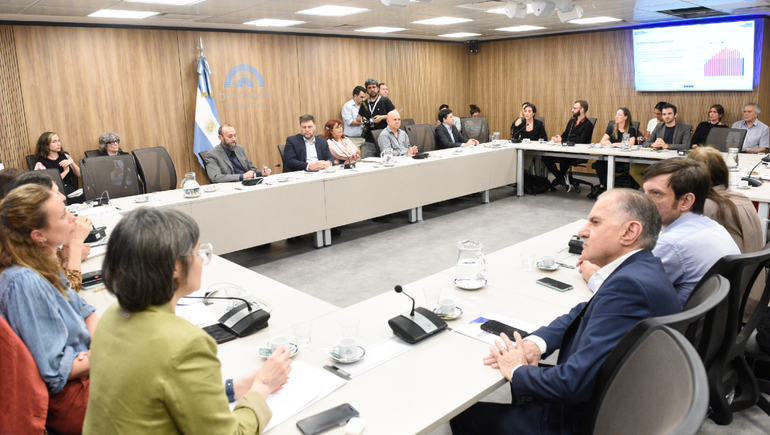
231	14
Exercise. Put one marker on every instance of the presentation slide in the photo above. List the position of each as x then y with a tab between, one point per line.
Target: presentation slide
701	57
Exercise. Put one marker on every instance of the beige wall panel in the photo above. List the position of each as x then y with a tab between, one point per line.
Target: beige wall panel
262	122
424	75
13	128
80	82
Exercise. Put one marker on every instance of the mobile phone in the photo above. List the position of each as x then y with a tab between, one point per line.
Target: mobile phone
328	419
554	284
495	327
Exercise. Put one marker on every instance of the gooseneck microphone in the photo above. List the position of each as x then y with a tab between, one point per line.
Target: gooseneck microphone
523	125
399	289
569	133
751	180
248	305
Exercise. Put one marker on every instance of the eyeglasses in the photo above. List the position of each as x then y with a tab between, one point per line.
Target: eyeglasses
338	127
117	141
206	252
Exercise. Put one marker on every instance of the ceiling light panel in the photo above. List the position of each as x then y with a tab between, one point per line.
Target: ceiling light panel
115	13
381	30
520	28
272	22
166	2
459	35
442	21
595	20
333	11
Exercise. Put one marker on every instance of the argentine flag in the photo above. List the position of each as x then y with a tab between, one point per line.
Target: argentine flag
206	118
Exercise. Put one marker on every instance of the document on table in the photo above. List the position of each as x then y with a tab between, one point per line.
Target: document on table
198	314
473	328
306	387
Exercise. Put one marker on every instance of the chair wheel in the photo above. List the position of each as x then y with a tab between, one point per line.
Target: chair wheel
577	190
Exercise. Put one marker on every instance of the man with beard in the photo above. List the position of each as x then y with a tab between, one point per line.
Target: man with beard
227	161
375	108
579	130
305	151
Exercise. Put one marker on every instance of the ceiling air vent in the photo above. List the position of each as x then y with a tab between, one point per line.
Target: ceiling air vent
689	13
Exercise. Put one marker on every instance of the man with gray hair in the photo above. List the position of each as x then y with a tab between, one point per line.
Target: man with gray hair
394	140
374	109
622	229
757	133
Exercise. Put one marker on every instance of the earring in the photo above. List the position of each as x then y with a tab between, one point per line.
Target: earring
45	239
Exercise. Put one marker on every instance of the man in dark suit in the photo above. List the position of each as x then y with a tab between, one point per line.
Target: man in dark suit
447	135
227	161
621	231
306	152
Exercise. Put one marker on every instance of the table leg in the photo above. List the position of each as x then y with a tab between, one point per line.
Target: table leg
520	173
415	214
485	197
318	239
764	210
610	172
327	237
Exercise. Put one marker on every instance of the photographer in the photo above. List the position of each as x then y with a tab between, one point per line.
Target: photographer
374	111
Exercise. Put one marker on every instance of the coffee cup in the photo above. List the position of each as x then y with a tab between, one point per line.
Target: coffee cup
547	261
447	306
347	348
278	341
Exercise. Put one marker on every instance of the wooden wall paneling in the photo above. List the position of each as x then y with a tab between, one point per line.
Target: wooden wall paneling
424	75
329	69
13	130
262	116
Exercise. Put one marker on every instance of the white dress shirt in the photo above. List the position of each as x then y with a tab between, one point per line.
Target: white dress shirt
350	114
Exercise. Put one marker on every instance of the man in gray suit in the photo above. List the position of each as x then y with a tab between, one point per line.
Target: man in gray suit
670	134
227	161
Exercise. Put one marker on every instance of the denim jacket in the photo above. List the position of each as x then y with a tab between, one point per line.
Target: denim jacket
52	327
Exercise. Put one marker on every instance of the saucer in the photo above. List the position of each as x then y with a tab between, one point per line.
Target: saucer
744	187
467	284
210	188
390	165
265	352
283	180
541	267
457	312
359	355
143	198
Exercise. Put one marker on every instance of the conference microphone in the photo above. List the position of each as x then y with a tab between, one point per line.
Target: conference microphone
347	165
571	126
523	125
754	182
399	289
241	320
416	325
99	200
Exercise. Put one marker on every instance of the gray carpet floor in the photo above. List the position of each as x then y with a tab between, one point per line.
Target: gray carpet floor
369	257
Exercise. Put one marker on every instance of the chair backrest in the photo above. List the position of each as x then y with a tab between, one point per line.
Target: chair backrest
724	138
636	393
422	136
203	154
156	169
93	153
31	160
593	121
703	318
541	119
476	128
115	175
372	149
406	121
729	370
56	177
376	134
281	147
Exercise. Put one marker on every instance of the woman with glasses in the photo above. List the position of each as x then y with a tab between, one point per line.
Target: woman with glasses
109	144
36	300
343	150
153	372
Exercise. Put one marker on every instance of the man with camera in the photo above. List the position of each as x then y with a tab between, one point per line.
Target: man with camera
374	110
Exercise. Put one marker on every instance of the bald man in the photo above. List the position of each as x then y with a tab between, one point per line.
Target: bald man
394	140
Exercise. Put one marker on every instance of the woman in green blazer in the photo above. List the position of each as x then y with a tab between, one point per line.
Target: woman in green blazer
151	371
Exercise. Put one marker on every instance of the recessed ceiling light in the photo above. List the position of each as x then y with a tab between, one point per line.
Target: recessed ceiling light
380	29
501	11
270	22
520	28
333	11
459	35
167	2
116	13
440	21
595	20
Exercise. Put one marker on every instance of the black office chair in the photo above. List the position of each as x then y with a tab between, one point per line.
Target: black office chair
203	154
56	177
724	138
405	122
372	149
732	384
156	169
93	153
31	160
115	176
653	382
476	128
541	119
423	136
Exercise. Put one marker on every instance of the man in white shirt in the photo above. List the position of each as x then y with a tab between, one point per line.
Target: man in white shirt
352	124
757	133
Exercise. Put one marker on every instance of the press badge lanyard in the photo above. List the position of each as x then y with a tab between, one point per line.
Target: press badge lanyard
371	111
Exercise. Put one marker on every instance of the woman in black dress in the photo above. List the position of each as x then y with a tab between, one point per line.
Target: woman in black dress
716	112
530	128
50	155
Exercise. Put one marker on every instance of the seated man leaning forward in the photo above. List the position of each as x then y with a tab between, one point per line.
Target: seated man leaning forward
227	161
394	140
690	242
621	231
305	151
447	135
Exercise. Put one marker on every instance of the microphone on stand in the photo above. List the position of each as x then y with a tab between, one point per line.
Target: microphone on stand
571	126
416	325
241	320
751	180
347	165
523	125
400	289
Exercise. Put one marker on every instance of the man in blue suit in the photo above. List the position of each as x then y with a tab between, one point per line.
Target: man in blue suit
621	231
306	152
447	135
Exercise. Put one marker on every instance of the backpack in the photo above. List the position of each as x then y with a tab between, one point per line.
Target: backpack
534	184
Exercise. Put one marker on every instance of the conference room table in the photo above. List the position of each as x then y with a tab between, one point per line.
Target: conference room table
588	152
292	204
